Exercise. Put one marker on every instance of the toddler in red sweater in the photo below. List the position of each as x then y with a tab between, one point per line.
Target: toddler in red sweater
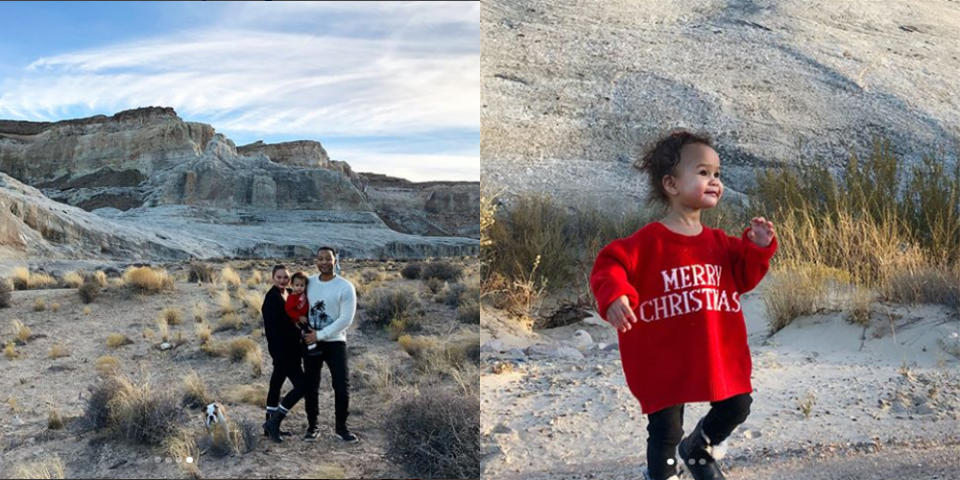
672	289
297	305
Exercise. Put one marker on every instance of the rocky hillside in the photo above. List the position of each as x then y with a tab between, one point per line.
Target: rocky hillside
425	208
147	170
573	91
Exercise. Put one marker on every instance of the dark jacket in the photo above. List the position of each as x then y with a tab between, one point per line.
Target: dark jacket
283	337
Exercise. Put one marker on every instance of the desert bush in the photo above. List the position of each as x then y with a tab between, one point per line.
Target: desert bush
21	331
41	280
254	394
801	290
434	356
87	310
54	420
200	272
230	278
89	290
378	373
224	303
10	351
469	312
436	435
445	271
247	350
116	340
58	351
255	279
370	276
252	300
6	286
237	438
411	271
383	306
194	391
435	285
402	325
39	305
454	291
172	316
203	332
20	278
72	279
132	411
181	444
213	348
51	467
199	312
148	280
107	365
55	307
229	321
100	277
930	284
163	329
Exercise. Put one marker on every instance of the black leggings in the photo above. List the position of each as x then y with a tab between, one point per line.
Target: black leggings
665	429
284	367
334	354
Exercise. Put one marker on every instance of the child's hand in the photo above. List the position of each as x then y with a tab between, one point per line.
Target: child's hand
761	232
303	319
620	315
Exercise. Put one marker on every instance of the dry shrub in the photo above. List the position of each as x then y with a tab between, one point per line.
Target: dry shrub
411	271
100	277
229	321
148	280
21	331
445	271
203	332
200	272
859	306
252	300
370	276
180	445
435	285
20	278
54	420
116	340
132	411
47	468
41	280
55	307
434	356
469	312
39	305
255	279
255	395
932	284
89	290
230	278
247	350
10	351
234	438
436	435
107	365
214	348
378	373
163	329
802	290
6	286
72	279
402	325
199	312
224	303
172	316
87	310
194	391
58	351
383	306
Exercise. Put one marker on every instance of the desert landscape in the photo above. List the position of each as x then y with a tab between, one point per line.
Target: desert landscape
820	125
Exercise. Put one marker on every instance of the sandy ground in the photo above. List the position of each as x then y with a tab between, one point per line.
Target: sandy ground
35	384
883	402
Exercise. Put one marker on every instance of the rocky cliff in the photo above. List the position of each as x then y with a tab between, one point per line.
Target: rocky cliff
573	91
425	208
149	170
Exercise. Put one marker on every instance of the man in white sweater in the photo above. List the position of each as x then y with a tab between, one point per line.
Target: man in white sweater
333	303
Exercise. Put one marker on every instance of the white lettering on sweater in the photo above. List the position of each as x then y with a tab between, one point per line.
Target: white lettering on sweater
707	297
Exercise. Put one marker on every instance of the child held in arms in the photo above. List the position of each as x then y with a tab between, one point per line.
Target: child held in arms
297	306
672	289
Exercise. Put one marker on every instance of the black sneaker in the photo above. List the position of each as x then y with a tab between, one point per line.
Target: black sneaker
312	433
694	453
348	437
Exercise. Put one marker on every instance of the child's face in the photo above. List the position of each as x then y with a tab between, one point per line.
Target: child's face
298	286
697	181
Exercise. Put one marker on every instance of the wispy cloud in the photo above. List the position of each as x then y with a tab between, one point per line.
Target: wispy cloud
266	69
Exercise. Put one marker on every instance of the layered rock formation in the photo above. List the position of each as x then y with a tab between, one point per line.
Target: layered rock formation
573	92
426	208
147	170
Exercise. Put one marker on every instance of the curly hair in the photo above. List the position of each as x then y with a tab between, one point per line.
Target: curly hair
662	157
299	275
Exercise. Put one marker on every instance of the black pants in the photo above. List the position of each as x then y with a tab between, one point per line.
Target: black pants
334	354
286	365
665	429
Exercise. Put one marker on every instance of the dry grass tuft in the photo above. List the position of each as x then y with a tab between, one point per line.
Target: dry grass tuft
253	394
203	332
194	391
172	316
116	340
39	305
132	411
224	303
252	300
107	365
72	279
148	280
54	420
21	331
89	290
199	312
48	468
10	351
6	286
230	321
230	278
58	351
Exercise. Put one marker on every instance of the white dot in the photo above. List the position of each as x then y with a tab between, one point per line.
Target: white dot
691	461
703	461
157	459
189	459
670	461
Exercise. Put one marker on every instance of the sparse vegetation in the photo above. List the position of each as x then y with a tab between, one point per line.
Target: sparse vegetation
247	350
433	356
46	468
58	351
87	310
39	305
224	303
442	270
255	279
252	300
805	404
21	331
230	321
90	289
172	316
230	278
148	280
194	391
100	277
182	445
6	286
55	307
411	271
469	312
436	435
203	332
107	365
200	272
199	312
382	306
72	279
24	279
435	285
54	420
116	340
235	438
132	411
10	351
255	394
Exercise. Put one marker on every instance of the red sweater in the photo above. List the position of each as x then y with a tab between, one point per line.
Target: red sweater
690	341
297	306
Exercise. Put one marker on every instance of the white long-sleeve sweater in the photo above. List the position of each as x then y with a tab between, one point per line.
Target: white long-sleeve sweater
333	304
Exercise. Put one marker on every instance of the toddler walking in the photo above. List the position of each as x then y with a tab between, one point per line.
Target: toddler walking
672	289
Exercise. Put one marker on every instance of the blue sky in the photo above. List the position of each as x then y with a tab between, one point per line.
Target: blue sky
390	88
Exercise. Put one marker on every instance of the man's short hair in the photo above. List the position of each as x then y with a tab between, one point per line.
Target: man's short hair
331	249
278	267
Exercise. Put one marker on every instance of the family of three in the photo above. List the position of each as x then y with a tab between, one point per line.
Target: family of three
305	328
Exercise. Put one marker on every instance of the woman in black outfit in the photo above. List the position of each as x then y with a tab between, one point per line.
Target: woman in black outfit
284	344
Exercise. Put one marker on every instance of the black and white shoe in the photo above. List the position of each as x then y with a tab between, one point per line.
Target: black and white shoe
646	475
348	437
313	432
694	452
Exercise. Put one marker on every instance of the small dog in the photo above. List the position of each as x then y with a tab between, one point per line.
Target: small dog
215	414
